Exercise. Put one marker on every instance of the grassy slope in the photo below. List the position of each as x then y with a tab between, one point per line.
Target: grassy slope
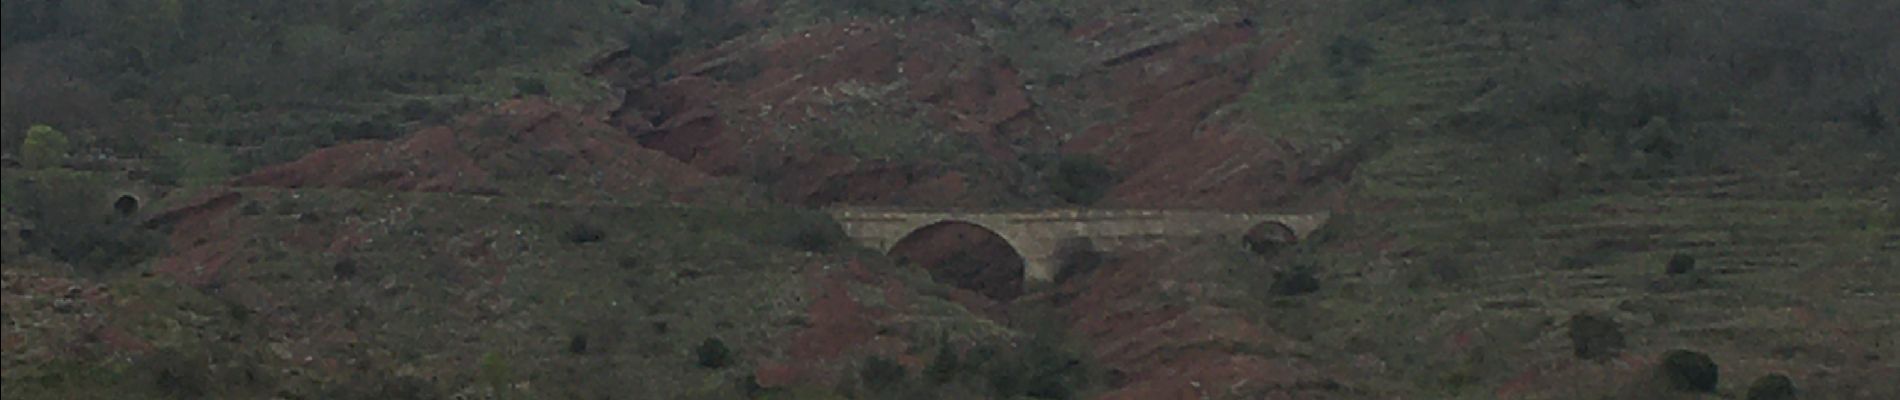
366	294
1454	252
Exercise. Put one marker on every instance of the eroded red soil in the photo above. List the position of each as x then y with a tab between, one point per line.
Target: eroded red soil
729	113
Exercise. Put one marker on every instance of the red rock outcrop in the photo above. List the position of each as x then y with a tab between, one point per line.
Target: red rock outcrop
1164	337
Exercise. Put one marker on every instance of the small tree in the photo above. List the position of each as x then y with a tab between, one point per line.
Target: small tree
881	373
1081	180
44	147
1689	371
1680	264
713	353
945	366
75	224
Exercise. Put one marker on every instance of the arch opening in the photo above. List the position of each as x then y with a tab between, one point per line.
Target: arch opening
967	256
126	204
1269	239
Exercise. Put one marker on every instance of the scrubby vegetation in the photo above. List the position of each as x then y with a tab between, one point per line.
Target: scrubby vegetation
1689	371
1556	156
713	353
1567	147
1079	180
1594	337
1646	91
1771	387
271	82
71	217
1045	365
44	147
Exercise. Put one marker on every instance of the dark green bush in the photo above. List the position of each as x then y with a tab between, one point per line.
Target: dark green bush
713	353
1594	337
1080	180
1869	116
1299	280
1680	264
1346	59
815	233
583	233
944	367
577	344
1689	371
1772	387
177	374
527	86
74	220
879	373
1039	368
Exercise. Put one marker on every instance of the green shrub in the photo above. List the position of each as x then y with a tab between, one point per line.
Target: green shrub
44	147
177	374
584	233
192	164
494	371
814	233
944	367
1081	180
1680	264
879	373
1595	337
1869	116
1346	58
1299	280
1772	387
1041	368
1689	371
74	221
713	353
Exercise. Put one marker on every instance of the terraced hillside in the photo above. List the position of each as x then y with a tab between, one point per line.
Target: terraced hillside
1466	251
1792	273
1407	71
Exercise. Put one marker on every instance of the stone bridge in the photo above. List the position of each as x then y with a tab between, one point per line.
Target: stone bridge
1039	236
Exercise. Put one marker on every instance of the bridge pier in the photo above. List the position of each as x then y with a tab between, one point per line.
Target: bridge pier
1039	258
1039	271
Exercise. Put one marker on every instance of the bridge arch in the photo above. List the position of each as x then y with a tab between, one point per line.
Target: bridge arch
1041	238
1269	238
966	254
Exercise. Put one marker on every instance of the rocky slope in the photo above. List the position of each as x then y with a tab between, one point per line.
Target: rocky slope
665	244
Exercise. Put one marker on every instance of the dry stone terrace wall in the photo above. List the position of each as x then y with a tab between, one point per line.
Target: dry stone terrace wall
1037	234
